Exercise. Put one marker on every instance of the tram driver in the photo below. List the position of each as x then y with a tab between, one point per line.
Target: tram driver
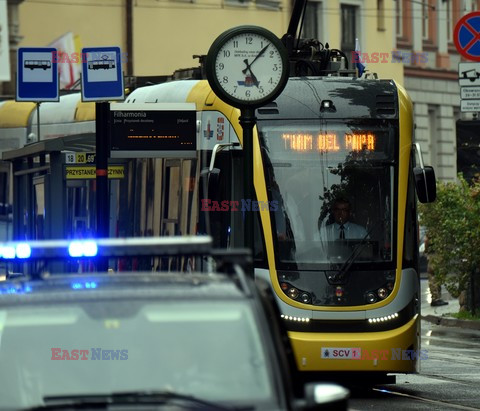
342	228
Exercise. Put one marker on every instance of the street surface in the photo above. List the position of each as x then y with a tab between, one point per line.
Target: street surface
448	380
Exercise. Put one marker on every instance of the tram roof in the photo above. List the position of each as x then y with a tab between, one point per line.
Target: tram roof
15	114
70	108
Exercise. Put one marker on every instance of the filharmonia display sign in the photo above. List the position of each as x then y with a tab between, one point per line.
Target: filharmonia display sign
153	130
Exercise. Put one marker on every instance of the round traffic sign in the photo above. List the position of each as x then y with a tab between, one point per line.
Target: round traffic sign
467	36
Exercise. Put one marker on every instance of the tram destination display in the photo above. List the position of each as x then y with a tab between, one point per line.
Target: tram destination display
152	130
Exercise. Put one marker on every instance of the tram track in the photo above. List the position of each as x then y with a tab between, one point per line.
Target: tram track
449	379
458	360
451	405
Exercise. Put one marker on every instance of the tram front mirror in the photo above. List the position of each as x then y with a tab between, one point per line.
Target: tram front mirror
425	184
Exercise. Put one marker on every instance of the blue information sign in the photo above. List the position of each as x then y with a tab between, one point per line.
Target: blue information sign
102	76
37	74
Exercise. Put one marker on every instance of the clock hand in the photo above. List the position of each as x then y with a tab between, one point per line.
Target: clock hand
249	68
254	60
259	54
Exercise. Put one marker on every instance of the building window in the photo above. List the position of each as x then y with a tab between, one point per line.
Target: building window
399	17
269	4
237	3
425	10
449	21
380	15
311	22
349	29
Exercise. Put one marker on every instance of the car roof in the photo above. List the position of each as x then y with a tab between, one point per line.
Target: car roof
171	286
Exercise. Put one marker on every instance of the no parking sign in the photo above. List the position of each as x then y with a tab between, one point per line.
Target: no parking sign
467	36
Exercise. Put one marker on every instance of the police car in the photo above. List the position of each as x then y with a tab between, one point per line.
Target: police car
142	340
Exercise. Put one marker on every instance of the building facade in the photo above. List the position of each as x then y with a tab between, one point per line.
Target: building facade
159	36
425	37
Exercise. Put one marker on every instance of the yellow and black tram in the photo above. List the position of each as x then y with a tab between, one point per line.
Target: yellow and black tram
349	304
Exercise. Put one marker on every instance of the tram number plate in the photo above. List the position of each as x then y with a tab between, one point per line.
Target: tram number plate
340	353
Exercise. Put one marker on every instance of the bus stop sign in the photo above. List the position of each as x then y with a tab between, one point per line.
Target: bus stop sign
37	75
102	76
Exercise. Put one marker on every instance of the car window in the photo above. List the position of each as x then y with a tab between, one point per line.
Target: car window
207	349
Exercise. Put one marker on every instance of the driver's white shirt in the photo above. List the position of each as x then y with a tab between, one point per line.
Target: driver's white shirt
331	232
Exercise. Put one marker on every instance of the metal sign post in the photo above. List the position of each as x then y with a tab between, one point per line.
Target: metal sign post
247	121
102	81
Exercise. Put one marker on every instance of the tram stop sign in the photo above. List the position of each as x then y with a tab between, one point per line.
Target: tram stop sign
467	36
102	76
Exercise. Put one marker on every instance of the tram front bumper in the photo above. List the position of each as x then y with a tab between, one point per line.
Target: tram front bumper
396	350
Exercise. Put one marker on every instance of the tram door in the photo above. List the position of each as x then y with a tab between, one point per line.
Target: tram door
39	207
6	225
172	199
81	208
180	199
179	204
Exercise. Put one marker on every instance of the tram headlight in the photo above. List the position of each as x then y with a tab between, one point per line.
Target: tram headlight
292	293
382	293
305	297
371	297
295	293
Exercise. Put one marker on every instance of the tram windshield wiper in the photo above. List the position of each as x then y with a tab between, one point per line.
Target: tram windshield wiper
351	259
134	397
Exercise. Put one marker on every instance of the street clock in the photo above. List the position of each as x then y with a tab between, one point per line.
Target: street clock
247	66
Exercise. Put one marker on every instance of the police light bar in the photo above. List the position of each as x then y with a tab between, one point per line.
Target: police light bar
107	247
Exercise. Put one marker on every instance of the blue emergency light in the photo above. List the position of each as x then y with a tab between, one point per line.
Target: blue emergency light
107	247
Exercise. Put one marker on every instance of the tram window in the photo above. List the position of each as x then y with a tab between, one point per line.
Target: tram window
39	185
225	213
3	192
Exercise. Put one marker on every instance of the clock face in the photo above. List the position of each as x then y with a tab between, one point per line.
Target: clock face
247	66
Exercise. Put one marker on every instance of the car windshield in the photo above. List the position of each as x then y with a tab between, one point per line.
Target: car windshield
207	349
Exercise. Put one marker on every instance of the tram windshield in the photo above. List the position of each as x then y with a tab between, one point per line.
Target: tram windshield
333	184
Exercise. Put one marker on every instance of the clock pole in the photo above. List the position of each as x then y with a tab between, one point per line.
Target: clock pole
248	120
247	67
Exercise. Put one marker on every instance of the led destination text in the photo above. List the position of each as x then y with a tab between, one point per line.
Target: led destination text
329	142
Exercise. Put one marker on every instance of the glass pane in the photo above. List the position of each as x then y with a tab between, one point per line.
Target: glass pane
312	166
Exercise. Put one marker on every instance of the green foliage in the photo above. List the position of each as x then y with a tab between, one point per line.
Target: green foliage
465	315
453	228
